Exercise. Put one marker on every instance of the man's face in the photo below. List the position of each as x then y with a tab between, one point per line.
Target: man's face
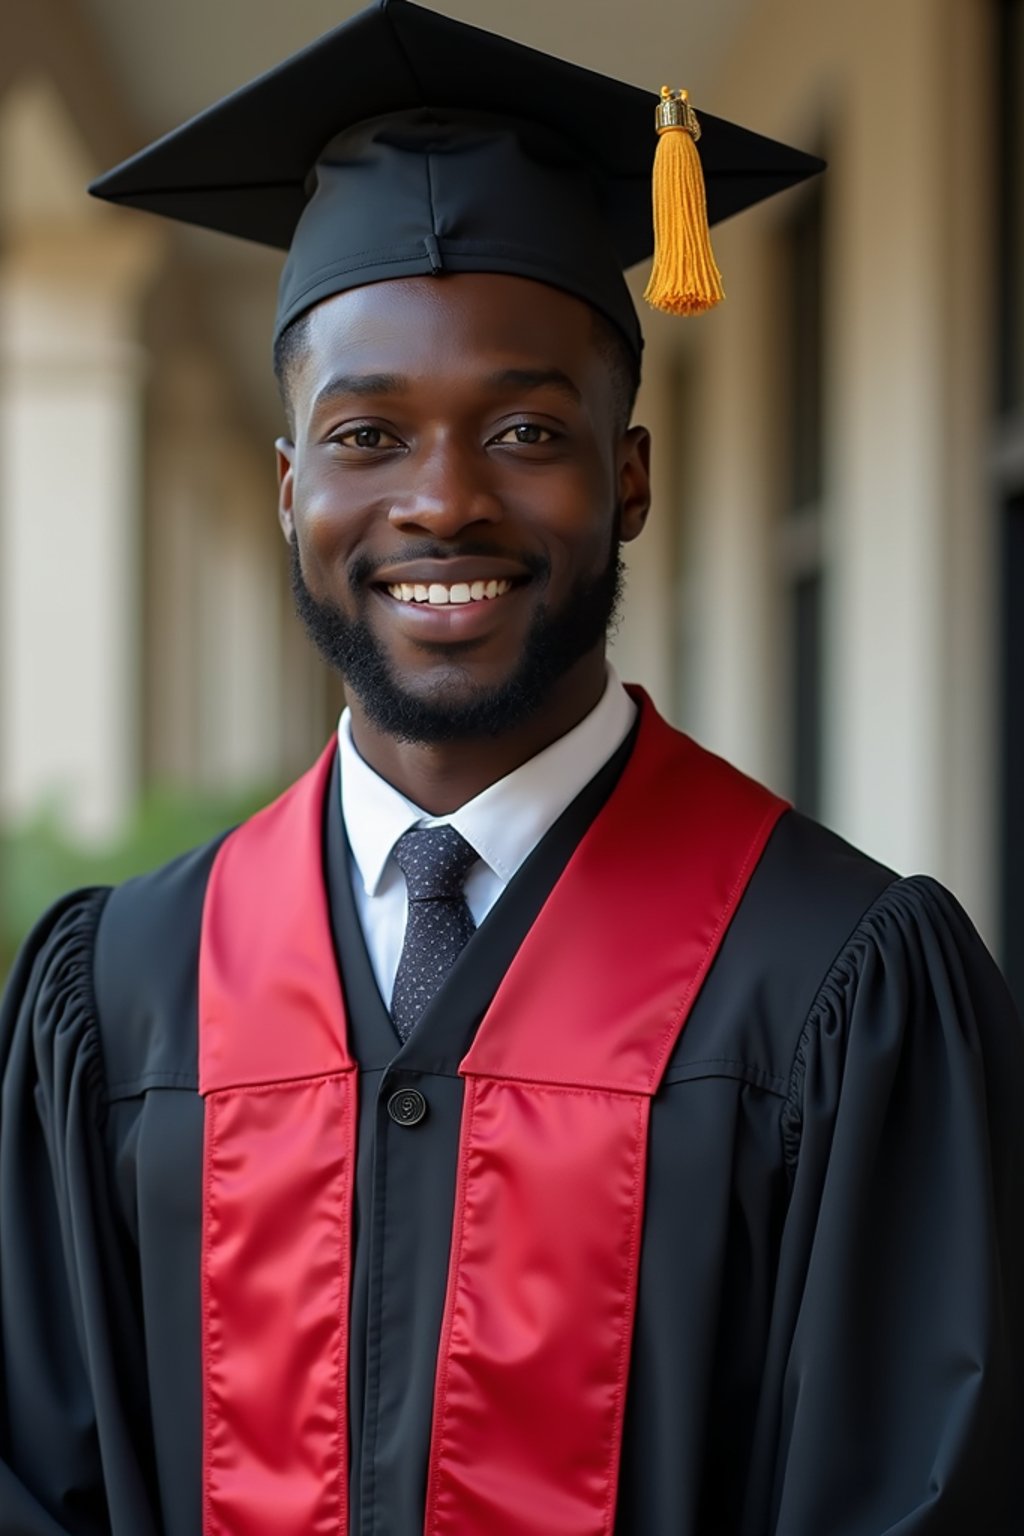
455	496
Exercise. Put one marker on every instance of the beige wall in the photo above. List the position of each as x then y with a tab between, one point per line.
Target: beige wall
71	380
909	770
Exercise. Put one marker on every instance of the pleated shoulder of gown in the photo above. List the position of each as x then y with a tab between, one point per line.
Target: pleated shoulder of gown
914	980
109	975
48	1033
146	976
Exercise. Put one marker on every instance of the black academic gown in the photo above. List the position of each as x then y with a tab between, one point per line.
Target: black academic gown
829	1328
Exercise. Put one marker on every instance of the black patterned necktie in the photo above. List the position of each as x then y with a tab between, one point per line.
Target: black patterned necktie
435	862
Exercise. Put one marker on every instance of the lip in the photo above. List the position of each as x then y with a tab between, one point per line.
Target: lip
458	568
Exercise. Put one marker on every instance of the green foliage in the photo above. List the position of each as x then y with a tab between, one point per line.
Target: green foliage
39	861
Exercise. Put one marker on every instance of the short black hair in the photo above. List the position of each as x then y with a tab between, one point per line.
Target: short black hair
288	350
616	354
623	366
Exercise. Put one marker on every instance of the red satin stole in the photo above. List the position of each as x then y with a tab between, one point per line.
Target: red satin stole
535	1344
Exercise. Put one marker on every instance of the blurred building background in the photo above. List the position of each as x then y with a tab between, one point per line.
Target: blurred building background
831	591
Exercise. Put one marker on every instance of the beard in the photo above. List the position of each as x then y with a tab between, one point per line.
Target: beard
556	640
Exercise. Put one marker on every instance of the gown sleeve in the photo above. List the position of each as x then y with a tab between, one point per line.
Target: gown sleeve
70	1418
892	1393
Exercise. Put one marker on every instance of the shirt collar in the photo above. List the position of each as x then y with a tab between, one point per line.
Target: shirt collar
375	812
506	821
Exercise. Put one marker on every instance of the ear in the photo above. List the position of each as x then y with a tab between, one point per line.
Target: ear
285	451
634	481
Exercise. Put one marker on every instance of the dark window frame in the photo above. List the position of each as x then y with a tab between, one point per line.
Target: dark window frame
1008	478
801	541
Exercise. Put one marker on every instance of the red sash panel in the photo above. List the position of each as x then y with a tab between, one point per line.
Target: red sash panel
275	1296
542	1283
534	1355
278	1176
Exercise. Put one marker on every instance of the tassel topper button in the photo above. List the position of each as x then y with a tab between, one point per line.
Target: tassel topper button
674	111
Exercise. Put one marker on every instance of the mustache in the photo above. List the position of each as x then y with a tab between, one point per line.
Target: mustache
362	569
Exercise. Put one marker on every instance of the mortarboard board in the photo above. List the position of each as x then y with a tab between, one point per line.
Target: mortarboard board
404	143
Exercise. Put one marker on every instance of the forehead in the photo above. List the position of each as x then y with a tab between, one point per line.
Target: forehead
451	323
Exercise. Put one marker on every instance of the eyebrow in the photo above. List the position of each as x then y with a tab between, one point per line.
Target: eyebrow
361	384
535	378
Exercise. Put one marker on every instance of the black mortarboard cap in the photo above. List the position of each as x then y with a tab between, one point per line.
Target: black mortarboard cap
405	143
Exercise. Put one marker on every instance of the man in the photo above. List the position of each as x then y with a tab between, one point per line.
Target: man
527	1124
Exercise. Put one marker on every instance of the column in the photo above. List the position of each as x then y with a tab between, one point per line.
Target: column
71	379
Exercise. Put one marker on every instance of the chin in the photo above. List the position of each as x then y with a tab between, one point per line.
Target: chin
444	691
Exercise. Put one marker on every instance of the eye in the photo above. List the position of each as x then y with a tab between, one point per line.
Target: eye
366	437
529	433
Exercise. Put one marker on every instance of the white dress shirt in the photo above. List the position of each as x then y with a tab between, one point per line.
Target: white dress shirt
504	823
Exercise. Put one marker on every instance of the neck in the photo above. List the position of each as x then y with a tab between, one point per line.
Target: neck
441	776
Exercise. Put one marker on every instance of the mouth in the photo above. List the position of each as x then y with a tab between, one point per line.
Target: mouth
454	582
439	594
461	599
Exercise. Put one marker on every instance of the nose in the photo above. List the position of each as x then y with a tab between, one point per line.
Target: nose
449	489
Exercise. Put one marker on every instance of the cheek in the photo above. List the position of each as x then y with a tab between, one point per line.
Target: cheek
569	497
331	515
581	521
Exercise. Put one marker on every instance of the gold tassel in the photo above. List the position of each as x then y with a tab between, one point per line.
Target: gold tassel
685	279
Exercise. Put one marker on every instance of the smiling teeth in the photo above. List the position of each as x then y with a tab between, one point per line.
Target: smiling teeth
440	595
